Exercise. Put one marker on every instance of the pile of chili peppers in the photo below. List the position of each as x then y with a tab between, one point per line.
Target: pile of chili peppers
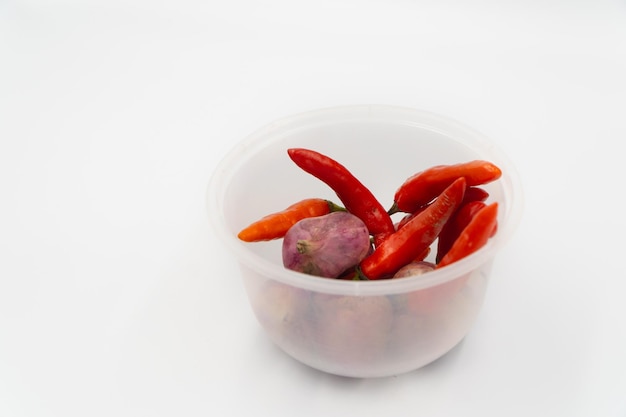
443	203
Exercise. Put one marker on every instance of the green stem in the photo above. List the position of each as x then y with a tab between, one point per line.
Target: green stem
393	209
359	275
334	207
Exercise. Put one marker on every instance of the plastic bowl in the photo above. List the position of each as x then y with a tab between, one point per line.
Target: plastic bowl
356	328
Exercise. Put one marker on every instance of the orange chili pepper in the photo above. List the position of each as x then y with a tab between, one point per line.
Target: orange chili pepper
474	236
421	188
275	225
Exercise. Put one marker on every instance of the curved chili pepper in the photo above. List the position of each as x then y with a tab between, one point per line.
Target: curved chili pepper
471	194
422	187
414	237
453	228
474	236
275	225
356	198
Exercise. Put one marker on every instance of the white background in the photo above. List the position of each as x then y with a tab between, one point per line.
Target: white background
115	300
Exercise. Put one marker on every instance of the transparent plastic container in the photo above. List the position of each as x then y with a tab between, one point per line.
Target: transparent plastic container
356	328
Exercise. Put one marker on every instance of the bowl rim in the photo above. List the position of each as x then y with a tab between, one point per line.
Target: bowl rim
245	149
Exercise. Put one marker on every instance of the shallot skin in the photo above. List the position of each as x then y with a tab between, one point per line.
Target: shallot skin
414	268
327	245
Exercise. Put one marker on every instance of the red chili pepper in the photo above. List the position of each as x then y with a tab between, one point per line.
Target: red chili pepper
453	228
423	255
475	194
422	187
356	198
471	194
275	225
418	234
474	236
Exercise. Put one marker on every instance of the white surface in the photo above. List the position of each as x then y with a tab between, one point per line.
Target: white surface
115	299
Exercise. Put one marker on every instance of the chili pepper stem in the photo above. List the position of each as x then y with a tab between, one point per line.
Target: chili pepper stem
393	209
335	207
359	275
